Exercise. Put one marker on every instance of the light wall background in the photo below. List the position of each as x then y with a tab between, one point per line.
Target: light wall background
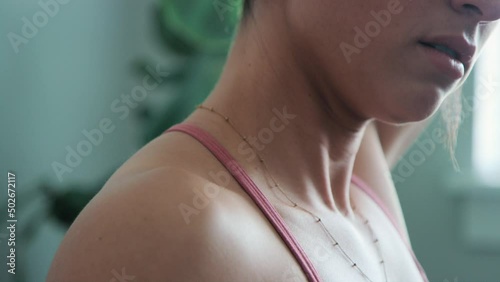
60	83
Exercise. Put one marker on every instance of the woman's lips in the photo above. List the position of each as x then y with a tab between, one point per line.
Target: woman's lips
443	61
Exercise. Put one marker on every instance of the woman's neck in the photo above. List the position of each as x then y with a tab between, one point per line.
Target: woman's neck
307	136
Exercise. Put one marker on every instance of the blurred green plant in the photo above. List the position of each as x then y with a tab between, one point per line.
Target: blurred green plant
198	34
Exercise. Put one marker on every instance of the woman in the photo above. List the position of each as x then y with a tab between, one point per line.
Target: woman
283	174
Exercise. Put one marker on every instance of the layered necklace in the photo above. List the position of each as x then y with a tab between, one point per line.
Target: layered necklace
316	218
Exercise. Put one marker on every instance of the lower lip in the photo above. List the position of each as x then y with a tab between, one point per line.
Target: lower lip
443	62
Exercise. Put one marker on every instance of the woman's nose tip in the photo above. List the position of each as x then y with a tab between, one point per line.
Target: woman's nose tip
482	10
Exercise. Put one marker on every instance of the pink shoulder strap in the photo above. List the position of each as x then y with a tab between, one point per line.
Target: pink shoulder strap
253	191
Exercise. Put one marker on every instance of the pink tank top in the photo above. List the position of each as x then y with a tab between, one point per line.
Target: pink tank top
265	206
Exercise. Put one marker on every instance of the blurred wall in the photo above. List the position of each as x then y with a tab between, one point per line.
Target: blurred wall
52	87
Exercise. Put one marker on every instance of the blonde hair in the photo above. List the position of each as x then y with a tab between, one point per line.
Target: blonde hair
451	114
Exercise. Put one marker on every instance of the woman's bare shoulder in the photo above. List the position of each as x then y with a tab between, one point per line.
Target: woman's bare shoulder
159	218
120	231
151	227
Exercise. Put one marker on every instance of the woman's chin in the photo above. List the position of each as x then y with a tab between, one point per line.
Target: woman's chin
416	107
413	113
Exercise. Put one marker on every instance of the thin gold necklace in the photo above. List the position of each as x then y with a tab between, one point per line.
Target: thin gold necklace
317	219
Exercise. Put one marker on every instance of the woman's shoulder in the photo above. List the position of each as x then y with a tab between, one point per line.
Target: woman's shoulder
157	222
124	230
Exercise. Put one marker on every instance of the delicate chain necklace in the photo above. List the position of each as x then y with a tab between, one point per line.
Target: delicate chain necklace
317	219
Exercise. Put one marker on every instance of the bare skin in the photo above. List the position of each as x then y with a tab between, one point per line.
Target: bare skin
340	126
